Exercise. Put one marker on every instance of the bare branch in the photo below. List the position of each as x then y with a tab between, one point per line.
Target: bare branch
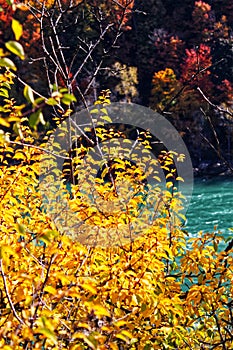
226	111
218	148
93	77
8	294
186	83
39	148
53	257
90	52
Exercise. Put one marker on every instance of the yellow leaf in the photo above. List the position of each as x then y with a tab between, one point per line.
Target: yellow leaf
27	333
28	94
19	155
120	323
20	229
127	334
85	339
169	184
83	325
122	337
76	347
3	122
17	28
101	311
48	334
63	278
16	48
50	290
78	335
94	111
180	179
89	288
6	62
5	251
113	346
106	118
28	300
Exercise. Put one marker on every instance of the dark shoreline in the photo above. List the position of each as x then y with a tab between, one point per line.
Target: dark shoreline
212	170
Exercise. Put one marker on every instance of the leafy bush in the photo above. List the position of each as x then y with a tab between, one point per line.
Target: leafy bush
155	291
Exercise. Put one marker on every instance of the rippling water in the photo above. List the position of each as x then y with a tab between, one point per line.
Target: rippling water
211	206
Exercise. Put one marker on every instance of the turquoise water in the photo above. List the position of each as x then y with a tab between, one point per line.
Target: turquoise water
211	206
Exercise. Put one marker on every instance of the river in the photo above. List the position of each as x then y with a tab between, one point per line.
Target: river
211	206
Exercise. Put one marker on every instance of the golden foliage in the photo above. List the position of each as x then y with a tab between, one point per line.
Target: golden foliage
128	81
165	87
156	291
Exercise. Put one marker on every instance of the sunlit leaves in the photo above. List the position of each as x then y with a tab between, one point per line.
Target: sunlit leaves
6	62
36	118
16	48
152	291
17	28
46	330
165	86
28	94
67	99
116	295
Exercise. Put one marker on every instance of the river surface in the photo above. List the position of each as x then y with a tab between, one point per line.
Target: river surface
211	206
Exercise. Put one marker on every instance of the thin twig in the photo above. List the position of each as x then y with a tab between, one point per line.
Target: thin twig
35	258
90	52
39	148
186	83
216	149
219	329
33	90
53	257
8	295
212	104
93	77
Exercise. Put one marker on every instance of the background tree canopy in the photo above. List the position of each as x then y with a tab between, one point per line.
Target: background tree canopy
174	57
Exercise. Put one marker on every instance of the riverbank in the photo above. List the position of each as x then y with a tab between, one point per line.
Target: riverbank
213	170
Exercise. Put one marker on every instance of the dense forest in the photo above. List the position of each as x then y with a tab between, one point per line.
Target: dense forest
93	255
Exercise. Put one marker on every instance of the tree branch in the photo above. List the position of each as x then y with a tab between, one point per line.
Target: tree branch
39	148
186	83
8	295
212	104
